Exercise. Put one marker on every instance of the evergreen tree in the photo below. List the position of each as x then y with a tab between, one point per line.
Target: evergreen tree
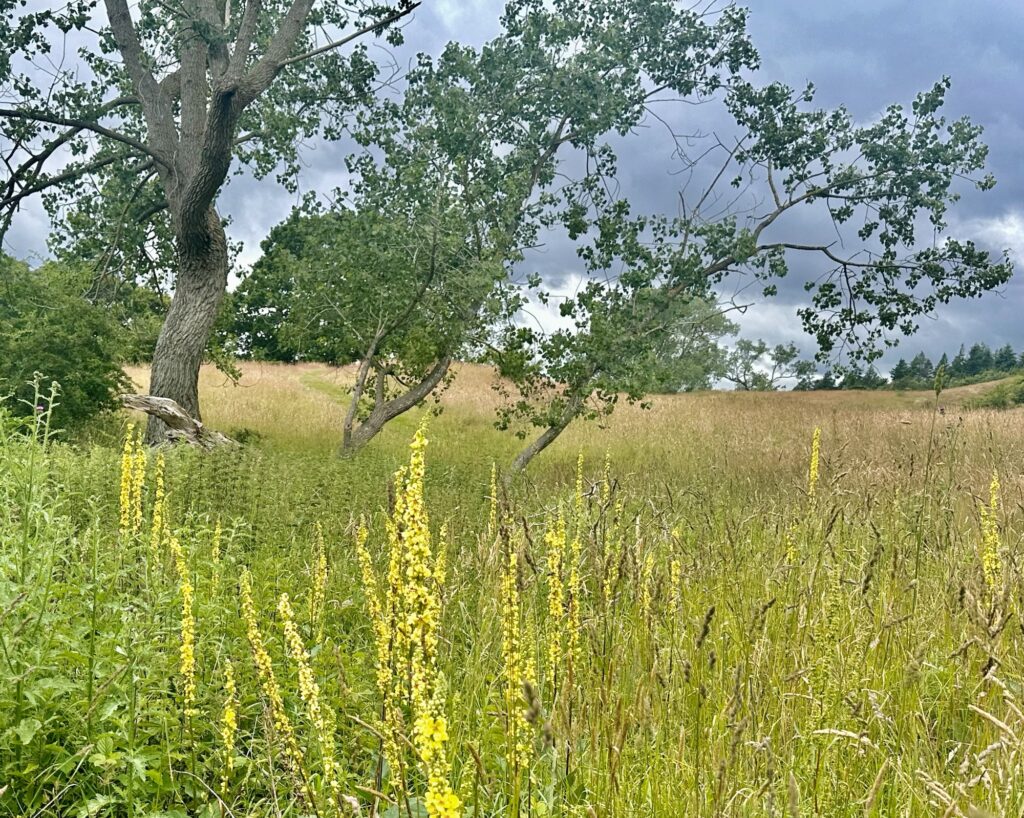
1005	359
901	373
922	369
979	359
958	368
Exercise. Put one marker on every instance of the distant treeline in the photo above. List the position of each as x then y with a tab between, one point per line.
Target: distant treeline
970	365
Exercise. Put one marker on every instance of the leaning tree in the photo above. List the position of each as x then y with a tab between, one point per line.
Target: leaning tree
160	101
883	260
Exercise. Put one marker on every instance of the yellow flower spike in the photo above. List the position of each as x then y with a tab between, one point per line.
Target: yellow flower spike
138	485
187	664
215	557
492	517
318	592
309	691
991	547
675	590
228	724
512	658
271	689
578	495
158	527
127	470
405	614
554	541
812	471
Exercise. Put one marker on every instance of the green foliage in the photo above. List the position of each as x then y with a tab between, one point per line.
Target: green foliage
1005	395
48	327
753	366
710	590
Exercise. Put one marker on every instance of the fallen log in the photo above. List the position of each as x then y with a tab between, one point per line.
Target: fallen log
181	426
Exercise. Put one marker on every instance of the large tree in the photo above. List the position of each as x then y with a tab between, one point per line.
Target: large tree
162	101
877	185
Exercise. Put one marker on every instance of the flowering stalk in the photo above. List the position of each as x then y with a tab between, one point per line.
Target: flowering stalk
318	592
812	471
228	725
158	527
406	620
991	557
215	558
554	541
321	719
187	664
271	689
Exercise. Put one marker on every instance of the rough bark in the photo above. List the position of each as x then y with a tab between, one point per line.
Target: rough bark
199	290
548	436
385	412
179	424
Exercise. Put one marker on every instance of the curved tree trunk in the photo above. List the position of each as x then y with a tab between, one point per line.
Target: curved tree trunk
199	290
385	412
548	436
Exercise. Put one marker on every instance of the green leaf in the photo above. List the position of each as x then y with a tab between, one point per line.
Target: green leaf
27	729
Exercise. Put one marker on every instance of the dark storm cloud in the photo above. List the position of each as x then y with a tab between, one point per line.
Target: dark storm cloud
863	55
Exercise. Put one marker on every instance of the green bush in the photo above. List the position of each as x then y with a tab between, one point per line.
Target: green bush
1003	396
50	332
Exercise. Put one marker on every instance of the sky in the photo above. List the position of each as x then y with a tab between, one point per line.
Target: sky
863	55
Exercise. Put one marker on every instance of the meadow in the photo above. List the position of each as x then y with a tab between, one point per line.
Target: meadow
726	605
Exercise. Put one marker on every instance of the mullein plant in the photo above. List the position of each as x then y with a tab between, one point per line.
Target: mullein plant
133	478
321	718
284	733
158	524
406	618
815	464
318	589
187	651
228	727
555	543
519	672
215	557
991	548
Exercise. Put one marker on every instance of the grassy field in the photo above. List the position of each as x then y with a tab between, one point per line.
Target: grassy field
694	611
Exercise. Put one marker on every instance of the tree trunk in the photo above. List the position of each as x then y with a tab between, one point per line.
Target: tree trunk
198	292
383	413
548	436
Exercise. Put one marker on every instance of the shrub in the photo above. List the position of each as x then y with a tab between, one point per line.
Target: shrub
48	327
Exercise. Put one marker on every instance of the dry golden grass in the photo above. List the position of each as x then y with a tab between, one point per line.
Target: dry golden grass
759	439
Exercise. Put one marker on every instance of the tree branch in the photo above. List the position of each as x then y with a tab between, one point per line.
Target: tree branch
398	14
85	125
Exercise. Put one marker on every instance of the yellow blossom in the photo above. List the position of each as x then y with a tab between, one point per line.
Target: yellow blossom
228	723
812	472
309	691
